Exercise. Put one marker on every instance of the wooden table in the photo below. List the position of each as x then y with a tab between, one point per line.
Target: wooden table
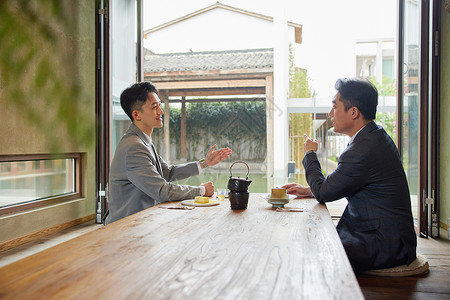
205	253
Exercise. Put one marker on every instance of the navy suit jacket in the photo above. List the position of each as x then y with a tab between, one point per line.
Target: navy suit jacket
376	228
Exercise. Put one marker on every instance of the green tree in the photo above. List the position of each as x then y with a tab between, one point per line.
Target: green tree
298	123
388	120
47	86
387	86
298	79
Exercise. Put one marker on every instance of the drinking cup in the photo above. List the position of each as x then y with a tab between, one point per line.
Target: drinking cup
221	193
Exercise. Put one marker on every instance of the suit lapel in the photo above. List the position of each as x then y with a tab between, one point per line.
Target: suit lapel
158	164
133	129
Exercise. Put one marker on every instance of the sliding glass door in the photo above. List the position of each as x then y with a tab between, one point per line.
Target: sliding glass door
118	43
125	59
418	108
410	98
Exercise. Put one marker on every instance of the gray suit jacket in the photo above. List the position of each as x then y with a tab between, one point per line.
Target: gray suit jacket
376	228
134	181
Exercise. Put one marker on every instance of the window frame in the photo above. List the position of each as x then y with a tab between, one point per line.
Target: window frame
38	203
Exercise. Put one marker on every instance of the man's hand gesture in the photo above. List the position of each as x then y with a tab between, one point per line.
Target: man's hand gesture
216	156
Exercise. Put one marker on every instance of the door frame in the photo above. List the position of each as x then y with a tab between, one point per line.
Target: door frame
102	107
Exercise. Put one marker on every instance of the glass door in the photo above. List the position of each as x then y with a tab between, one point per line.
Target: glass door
410	75
419	108
126	43
118	44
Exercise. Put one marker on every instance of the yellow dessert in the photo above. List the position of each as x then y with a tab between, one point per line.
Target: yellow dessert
200	199
278	193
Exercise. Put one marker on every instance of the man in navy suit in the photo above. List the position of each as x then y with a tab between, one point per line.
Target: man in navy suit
376	228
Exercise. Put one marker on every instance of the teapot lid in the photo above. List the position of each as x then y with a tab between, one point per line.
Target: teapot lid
241	179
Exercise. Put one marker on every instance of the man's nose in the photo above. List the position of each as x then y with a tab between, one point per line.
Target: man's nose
331	113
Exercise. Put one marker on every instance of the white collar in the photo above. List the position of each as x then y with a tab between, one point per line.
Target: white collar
353	136
148	137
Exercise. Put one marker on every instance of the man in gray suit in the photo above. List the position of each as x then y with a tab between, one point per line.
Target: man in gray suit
139	178
376	228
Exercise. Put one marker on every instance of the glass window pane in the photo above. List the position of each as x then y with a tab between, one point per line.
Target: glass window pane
388	68
124	61
410	101
22	182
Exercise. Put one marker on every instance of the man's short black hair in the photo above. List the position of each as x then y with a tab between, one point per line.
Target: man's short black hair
134	97
360	93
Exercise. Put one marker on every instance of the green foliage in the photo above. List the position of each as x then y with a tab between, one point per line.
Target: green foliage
237	120
39	71
388	121
298	79
387	86
299	124
299	87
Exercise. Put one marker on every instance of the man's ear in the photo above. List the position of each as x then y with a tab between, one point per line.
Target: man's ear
355	112
136	115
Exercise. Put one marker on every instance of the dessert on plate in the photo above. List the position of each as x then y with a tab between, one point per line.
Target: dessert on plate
278	193
202	200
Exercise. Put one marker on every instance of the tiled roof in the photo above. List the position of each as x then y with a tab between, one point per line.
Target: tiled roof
256	59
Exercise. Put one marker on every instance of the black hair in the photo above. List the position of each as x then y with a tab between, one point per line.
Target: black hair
134	97
360	93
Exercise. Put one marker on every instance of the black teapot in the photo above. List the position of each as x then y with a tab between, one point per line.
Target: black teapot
238	187
236	184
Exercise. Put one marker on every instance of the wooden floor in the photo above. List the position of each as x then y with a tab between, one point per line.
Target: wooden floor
435	285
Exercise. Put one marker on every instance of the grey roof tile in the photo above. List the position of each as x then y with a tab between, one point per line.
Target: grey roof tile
211	60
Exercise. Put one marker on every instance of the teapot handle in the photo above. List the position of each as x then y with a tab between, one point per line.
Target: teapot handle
240	161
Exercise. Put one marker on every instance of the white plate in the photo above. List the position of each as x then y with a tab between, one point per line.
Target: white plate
192	203
278	202
289	197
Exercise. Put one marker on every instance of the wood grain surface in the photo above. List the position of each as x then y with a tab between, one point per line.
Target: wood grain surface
204	253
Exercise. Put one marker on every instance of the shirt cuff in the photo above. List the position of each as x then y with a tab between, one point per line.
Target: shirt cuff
202	190
199	168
